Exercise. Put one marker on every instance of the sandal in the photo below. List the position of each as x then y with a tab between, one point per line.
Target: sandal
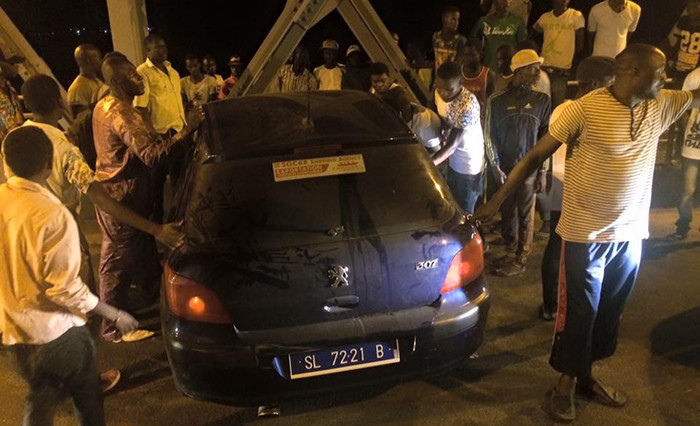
561	408
546	315
592	388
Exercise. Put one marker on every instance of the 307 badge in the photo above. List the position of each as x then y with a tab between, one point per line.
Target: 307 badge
426	264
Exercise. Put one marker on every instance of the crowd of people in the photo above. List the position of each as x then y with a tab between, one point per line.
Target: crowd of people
498	126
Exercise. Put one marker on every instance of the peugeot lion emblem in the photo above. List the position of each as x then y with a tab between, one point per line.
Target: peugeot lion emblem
339	276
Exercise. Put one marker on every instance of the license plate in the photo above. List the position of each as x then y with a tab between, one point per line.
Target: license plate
343	358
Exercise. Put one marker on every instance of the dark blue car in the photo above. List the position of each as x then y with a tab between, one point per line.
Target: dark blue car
324	252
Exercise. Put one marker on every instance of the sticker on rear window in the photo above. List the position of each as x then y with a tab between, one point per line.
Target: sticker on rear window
317	167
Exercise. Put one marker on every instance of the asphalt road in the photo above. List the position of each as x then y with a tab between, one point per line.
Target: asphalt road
657	363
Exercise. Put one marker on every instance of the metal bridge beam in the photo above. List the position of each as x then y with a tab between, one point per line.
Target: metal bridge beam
128	24
299	16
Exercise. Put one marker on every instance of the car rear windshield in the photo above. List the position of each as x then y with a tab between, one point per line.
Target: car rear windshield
239	202
262	123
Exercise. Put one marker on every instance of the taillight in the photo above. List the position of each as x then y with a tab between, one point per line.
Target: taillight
193	301
466	266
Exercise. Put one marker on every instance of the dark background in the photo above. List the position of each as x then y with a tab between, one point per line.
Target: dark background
222	28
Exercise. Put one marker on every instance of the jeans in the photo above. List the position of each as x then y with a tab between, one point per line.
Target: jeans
595	283
685	208
518	213
542	206
465	188
550	265
66	365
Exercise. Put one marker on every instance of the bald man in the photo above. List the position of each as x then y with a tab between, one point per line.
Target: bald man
612	136
126	153
88	87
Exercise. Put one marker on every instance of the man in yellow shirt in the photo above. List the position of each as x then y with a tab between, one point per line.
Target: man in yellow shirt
161	106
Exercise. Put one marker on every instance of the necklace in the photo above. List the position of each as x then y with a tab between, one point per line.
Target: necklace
635	126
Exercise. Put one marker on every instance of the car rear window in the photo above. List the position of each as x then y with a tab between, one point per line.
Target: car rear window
239	203
253	123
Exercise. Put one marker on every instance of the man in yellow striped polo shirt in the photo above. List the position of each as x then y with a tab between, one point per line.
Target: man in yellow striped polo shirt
613	134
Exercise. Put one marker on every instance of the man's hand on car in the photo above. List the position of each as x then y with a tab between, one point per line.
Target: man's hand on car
170	235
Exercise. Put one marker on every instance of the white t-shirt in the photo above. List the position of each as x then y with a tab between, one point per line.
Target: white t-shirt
611	28
559	44
556	193
199	93
329	79
464	112
691	143
426	125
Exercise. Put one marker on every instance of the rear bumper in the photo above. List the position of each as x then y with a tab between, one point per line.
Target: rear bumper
221	364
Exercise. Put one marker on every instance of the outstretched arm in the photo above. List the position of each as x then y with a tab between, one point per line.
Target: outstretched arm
544	149
168	234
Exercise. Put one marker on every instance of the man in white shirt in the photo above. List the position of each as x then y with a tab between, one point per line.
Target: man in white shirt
161	104
563	30
424	122
691	163
209	65
198	88
330	74
464	147
610	25
88	87
43	302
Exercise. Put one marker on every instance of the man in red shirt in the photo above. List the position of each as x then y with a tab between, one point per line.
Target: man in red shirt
236	67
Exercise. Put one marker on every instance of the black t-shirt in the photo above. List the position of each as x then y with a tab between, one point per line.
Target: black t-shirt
687	41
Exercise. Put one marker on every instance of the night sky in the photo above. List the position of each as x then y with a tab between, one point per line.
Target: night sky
222	28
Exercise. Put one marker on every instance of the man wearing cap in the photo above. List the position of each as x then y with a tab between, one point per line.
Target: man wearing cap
593	73
330	74
515	119
235	65
356	75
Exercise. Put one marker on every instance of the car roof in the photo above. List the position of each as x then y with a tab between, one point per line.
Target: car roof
250	124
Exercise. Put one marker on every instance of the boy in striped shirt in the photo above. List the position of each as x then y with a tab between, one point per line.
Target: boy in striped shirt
612	136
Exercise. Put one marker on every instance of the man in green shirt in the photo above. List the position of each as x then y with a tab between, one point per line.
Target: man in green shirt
499	28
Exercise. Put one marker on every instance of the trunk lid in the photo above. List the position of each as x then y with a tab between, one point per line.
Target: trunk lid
268	249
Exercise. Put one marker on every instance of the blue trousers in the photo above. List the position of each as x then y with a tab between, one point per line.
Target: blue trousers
465	188
595	282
